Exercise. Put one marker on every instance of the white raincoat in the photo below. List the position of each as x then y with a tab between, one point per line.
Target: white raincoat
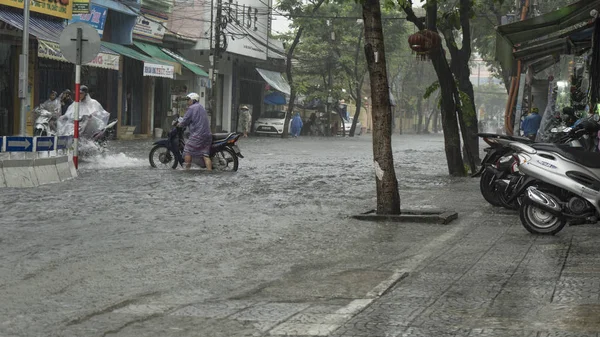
92	117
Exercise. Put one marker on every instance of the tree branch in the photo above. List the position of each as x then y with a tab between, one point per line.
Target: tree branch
412	17
465	23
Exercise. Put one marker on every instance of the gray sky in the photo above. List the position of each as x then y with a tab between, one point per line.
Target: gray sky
280	24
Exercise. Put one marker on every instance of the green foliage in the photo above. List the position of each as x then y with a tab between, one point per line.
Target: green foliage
435	86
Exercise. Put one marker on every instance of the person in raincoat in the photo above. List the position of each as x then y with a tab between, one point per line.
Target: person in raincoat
200	140
296	125
245	120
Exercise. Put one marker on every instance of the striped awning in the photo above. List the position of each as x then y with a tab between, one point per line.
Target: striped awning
48	34
44	29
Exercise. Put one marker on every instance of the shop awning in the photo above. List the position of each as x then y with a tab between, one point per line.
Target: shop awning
48	32
193	67
275	80
152	66
123	6
40	28
545	31
155	52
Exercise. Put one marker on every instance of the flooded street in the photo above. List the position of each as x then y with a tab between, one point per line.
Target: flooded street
128	250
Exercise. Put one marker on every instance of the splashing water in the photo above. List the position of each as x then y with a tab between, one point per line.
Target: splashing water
112	160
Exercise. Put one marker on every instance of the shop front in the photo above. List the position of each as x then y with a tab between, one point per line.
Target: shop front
137	86
170	95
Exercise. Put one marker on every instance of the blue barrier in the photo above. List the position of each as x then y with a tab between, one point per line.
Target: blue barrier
34	144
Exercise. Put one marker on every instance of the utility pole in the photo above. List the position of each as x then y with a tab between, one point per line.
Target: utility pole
23	71
216	56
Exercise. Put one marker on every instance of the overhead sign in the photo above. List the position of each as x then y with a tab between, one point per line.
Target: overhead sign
51	50
19	144
248	30
44	143
95	17
58	8
150	26
90	43
81	7
158	70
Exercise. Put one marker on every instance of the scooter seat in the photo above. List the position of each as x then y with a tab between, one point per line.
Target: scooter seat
576	154
220	136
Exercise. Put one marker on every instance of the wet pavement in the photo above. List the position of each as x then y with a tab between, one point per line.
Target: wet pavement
127	250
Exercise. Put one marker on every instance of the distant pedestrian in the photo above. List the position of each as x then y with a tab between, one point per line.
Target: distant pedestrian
245	120
531	124
296	125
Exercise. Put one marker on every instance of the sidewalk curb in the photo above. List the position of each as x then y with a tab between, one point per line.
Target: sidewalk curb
418	216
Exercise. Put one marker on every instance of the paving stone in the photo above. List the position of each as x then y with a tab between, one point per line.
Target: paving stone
270	312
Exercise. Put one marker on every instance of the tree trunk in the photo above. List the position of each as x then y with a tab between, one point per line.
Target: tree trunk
420	113
288	72
447	87
358	106
388	197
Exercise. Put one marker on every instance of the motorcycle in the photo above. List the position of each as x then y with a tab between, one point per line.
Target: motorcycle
45	123
168	153
562	184
102	136
498	169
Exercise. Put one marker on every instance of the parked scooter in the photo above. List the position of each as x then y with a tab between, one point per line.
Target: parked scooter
168	153
562	184
499	172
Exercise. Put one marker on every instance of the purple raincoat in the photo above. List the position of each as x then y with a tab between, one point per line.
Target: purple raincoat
200	137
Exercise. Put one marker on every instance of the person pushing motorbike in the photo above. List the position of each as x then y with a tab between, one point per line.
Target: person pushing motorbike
200	140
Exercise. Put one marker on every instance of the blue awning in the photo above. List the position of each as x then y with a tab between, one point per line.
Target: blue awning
124	6
44	29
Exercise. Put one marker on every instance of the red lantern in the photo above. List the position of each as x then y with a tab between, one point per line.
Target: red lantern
423	42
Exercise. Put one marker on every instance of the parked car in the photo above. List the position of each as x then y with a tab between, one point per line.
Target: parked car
347	125
271	123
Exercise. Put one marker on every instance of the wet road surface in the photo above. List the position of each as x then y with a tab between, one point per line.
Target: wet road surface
127	250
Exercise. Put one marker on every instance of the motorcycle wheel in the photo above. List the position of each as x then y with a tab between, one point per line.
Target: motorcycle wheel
503	199
488	190
538	221
39	133
225	160
161	157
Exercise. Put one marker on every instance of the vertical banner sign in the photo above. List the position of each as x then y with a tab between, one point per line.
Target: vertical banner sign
519	109
96	17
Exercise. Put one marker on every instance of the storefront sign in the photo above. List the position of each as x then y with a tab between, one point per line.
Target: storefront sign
158	70
51	50
96	18
81	7
58	8
150	26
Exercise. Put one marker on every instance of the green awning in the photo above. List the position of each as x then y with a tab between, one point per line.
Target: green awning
155	52
553	22
152	66
547	30
193	67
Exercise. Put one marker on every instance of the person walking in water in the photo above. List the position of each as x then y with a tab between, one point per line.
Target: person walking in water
296	125
200	140
245	120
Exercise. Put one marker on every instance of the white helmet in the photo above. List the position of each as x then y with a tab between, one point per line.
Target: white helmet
193	96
